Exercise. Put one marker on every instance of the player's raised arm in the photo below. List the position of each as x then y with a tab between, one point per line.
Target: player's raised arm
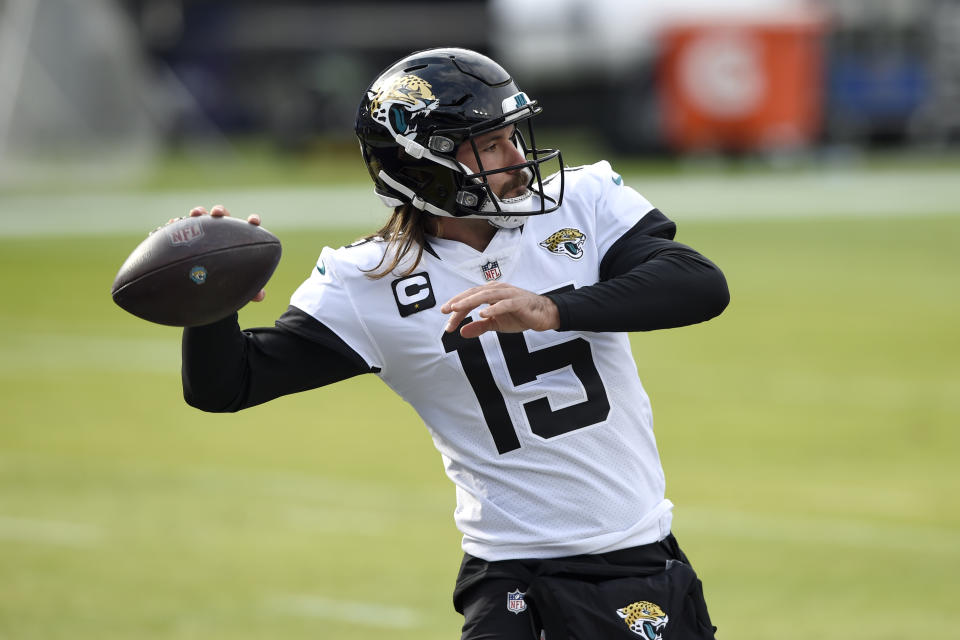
219	360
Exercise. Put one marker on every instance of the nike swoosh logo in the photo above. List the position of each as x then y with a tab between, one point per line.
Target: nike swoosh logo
617	180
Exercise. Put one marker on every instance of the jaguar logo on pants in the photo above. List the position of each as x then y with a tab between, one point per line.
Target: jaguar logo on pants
645	619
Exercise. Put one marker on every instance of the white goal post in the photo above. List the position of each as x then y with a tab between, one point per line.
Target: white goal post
74	94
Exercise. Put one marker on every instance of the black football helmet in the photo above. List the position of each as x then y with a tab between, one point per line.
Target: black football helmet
416	114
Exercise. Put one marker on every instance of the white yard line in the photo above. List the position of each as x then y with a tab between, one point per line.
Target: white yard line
808	194
370	614
844	193
31	530
139	212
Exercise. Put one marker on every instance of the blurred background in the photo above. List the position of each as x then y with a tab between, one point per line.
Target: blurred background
116	85
809	434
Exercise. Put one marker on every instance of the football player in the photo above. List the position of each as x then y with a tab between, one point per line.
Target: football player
496	300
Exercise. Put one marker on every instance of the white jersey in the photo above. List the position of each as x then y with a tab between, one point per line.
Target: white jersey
548	435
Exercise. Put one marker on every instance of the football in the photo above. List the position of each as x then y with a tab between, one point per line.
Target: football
196	270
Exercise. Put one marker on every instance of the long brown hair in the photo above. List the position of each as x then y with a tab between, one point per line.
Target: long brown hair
403	232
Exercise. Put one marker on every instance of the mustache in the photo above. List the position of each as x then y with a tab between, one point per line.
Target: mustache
516	184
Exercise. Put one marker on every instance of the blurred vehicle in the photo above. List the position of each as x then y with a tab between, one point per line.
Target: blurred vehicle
680	75
878	74
742	75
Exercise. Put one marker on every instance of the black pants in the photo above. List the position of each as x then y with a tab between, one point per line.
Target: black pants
490	595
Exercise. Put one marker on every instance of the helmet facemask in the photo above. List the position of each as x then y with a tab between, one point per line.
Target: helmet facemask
476	197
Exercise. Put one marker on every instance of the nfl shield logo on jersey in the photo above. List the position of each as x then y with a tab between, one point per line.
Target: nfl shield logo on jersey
491	270
515	602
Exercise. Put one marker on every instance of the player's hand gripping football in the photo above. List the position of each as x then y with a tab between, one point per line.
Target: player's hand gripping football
511	310
219	211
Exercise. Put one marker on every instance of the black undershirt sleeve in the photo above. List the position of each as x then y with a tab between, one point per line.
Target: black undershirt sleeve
226	369
647	282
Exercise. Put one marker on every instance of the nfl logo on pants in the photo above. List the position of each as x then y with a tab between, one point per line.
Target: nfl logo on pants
515	602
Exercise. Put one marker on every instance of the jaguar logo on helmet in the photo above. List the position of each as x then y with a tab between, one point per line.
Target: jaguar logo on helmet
645	619
400	101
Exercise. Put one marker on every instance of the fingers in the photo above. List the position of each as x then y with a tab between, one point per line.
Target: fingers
456	301
475	296
460	306
220	211
505	315
510	309
454	320
477	328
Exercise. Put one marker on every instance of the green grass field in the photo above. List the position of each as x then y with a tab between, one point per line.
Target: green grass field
809	434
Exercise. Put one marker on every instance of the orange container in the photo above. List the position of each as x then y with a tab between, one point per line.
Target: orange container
742	85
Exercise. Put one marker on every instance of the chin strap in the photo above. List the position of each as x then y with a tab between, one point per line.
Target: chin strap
500	222
506	222
415	200
509	205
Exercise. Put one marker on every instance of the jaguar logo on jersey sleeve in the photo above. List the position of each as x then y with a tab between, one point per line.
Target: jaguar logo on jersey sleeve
645	619
566	242
398	103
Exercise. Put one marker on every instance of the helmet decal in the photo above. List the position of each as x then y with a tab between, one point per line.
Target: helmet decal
400	101
514	102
